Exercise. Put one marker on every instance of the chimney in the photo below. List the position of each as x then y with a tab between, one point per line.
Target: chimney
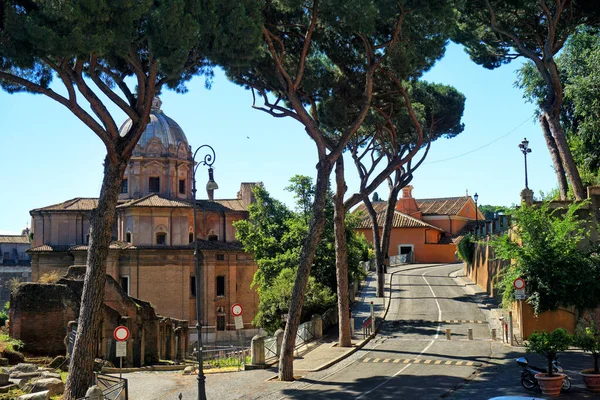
246	195
407	204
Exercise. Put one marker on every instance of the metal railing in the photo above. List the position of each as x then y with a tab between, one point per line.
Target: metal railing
271	349
306	333
113	387
226	357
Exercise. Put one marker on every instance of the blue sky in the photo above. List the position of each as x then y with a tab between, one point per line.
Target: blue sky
49	156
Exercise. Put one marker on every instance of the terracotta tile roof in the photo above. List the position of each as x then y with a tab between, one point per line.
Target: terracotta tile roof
399	220
14	239
76	204
442	206
154	200
118	245
47	248
232	204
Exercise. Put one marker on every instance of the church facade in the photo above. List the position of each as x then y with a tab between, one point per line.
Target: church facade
152	252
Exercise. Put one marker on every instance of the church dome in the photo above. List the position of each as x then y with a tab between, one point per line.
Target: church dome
163	137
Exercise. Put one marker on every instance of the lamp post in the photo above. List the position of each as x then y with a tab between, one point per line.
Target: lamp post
476	197
524	146
208	161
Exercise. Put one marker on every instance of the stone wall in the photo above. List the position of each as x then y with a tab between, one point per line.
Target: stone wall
39	315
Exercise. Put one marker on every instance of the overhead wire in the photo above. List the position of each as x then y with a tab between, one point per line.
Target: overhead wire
481	147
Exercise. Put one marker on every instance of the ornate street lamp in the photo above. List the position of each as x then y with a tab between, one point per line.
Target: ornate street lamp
476	197
208	161
524	146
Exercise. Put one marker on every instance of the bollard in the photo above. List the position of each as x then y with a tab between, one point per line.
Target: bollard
470	333
317	321
372	318
351	327
448	334
279	338
258	350
510	329
94	393
494	334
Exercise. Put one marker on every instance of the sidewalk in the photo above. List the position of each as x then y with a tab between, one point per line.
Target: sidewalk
326	352
501	376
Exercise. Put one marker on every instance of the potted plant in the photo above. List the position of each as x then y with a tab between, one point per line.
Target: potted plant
588	339
549	345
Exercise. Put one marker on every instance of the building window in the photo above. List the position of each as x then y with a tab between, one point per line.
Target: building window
125	284
193	286
191	237
220	322
128	237
87	239
124	186
154	184
220	257
220	286
161	238
213	238
182	186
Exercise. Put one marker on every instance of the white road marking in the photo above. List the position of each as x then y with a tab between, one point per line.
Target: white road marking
437	334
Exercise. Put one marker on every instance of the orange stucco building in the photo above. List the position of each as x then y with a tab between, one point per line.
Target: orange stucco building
424	230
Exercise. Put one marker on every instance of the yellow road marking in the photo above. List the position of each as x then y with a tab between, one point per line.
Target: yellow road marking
377	360
396	361
427	362
386	360
366	360
406	361
448	363
417	361
470	363
438	362
459	363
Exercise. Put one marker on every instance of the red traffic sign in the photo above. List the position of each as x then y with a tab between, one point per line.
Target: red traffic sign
237	309
121	333
519	283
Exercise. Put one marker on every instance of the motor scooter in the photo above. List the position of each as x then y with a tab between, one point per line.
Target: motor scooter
529	371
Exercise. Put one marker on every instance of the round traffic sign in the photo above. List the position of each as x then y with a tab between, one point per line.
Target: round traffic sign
237	309
121	333
519	283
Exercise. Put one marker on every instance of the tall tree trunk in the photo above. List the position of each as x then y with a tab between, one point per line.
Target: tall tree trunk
555	127
389	218
556	160
315	231
341	255
90	312
379	256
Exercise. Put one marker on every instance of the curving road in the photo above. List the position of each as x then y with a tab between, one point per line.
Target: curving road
410	358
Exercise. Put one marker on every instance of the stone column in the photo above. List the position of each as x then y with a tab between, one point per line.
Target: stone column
258	350
317	321
527	196
279	340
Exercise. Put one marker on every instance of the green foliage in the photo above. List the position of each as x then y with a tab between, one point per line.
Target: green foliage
10	343
275	300
4	314
579	67
553	253
588	339
490	211
549	344
466	249
275	234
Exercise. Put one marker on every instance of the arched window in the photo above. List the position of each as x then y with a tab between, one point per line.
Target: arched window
191	236
213	238
161	238
128	237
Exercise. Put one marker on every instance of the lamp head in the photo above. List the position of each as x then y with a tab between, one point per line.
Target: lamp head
475	197
211	185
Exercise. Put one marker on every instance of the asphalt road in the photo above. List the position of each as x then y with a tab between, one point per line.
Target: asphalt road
410	358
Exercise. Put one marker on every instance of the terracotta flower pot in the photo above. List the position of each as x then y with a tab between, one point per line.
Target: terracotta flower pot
592	381
550	385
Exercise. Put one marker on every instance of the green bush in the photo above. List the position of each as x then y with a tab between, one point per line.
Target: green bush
588	339
275	301
549	345
466	249
551	250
